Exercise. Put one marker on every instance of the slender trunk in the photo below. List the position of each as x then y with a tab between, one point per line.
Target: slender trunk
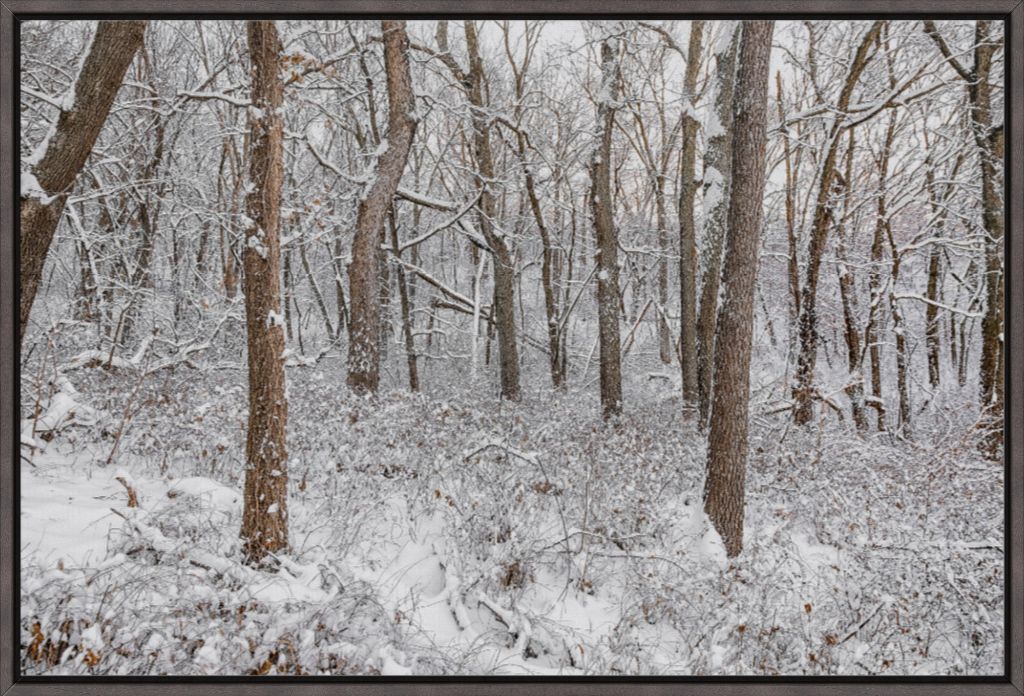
288	295
687	231
661	219
504	270
792	265
364	273
339	285
265	515
607	240
321	303
848	297
899	329
931	316
724	496
406	307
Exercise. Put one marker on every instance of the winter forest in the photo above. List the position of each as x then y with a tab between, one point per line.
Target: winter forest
511	347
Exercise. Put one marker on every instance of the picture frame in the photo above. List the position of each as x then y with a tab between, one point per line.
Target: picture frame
1010	12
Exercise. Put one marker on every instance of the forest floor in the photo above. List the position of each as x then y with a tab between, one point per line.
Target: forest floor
459	534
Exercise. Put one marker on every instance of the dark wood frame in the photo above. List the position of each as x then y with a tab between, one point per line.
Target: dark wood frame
1011	12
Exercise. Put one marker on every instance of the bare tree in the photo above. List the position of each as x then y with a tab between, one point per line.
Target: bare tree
687	228
46	185
265	513
727	438
364	272
607	240
504	268
717	177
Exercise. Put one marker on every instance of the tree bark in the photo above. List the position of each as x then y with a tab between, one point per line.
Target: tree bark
113	47
687	231
717	177
607	239
364	272
265	514
504	270
727	439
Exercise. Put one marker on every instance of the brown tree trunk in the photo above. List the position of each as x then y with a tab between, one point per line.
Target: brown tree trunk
803	388
364	272
717	177
606	237
548	270
504	271
687	232
661	219
113	47
265	514
727	440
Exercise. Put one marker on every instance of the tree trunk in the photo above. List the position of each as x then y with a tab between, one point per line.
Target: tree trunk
52	176
504	271
803	388
687	232
717	177
727	439
406	306
792	266
364	273
606	237
899	329
265	515
848	297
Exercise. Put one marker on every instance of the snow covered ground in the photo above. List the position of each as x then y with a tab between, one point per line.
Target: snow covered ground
457	534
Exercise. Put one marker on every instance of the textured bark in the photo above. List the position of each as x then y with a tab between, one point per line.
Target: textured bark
687	232
717	177
113	47
265	513
610	357
504	270
364	272
803	388
727	438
